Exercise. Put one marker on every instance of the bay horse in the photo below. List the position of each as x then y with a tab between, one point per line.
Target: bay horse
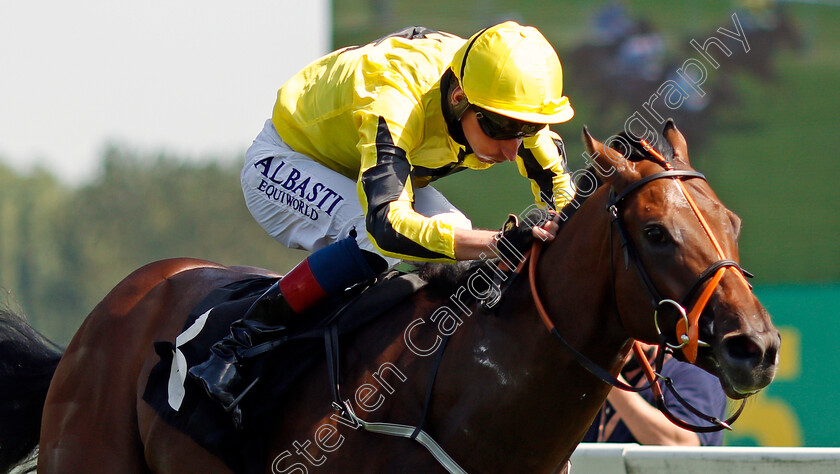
507	397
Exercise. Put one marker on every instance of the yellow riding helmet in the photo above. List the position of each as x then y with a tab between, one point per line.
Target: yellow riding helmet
512	70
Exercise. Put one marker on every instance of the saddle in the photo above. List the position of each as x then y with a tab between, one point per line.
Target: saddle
181	401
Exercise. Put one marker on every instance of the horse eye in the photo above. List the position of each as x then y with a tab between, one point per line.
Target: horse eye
656	234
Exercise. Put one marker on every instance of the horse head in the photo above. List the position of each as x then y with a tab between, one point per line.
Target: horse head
683	243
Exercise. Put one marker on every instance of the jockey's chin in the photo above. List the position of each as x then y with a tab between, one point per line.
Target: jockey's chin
490	159
493	159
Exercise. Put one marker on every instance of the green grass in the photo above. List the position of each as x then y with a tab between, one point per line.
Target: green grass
777	173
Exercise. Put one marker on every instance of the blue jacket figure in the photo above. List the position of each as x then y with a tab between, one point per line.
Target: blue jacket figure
629	417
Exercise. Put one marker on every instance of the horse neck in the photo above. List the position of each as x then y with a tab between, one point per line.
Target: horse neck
536	380
575	282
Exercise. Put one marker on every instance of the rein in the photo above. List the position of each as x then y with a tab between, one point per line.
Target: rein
688	333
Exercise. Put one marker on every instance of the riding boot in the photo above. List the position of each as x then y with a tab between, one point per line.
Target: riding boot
326	272
220	375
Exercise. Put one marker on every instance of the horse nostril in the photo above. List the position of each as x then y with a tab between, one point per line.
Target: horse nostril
771	355
744	348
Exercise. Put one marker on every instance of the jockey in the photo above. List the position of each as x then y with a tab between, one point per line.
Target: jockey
343	166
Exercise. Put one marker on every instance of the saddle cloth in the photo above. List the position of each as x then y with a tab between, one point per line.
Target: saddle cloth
181	401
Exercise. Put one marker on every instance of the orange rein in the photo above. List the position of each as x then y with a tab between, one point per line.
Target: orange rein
532	273
637	349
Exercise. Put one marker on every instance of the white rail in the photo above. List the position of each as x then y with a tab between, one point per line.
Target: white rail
631	458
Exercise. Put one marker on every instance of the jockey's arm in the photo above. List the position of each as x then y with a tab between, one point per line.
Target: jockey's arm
386	193
397	230
542	159
473	244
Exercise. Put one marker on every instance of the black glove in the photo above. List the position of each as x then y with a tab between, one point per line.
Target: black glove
516	236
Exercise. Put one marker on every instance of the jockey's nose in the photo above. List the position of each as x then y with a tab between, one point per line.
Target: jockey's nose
510	148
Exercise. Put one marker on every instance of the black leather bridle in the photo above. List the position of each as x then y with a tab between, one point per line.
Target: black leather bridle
631	254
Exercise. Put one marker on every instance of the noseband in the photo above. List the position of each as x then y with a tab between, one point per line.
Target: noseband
688	333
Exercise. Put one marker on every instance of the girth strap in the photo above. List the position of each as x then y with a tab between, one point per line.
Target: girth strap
392	429
405	431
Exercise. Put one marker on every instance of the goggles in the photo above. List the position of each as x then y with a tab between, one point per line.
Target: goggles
499	127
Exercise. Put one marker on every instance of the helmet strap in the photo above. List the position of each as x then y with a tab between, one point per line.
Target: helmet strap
452	113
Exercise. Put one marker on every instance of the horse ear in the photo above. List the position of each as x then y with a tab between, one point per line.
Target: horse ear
608	162
735	222
677	141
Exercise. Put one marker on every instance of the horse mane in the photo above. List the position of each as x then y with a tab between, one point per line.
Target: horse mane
445	276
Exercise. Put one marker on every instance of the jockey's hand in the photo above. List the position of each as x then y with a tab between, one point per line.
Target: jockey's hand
516	235
547	231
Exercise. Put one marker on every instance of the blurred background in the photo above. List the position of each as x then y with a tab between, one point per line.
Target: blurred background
76	218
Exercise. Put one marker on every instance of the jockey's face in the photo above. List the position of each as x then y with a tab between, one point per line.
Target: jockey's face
486	149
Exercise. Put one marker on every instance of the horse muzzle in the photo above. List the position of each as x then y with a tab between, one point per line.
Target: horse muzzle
747	360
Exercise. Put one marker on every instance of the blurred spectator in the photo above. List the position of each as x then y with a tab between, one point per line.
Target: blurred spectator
641	55
629	417
612	23
757	15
